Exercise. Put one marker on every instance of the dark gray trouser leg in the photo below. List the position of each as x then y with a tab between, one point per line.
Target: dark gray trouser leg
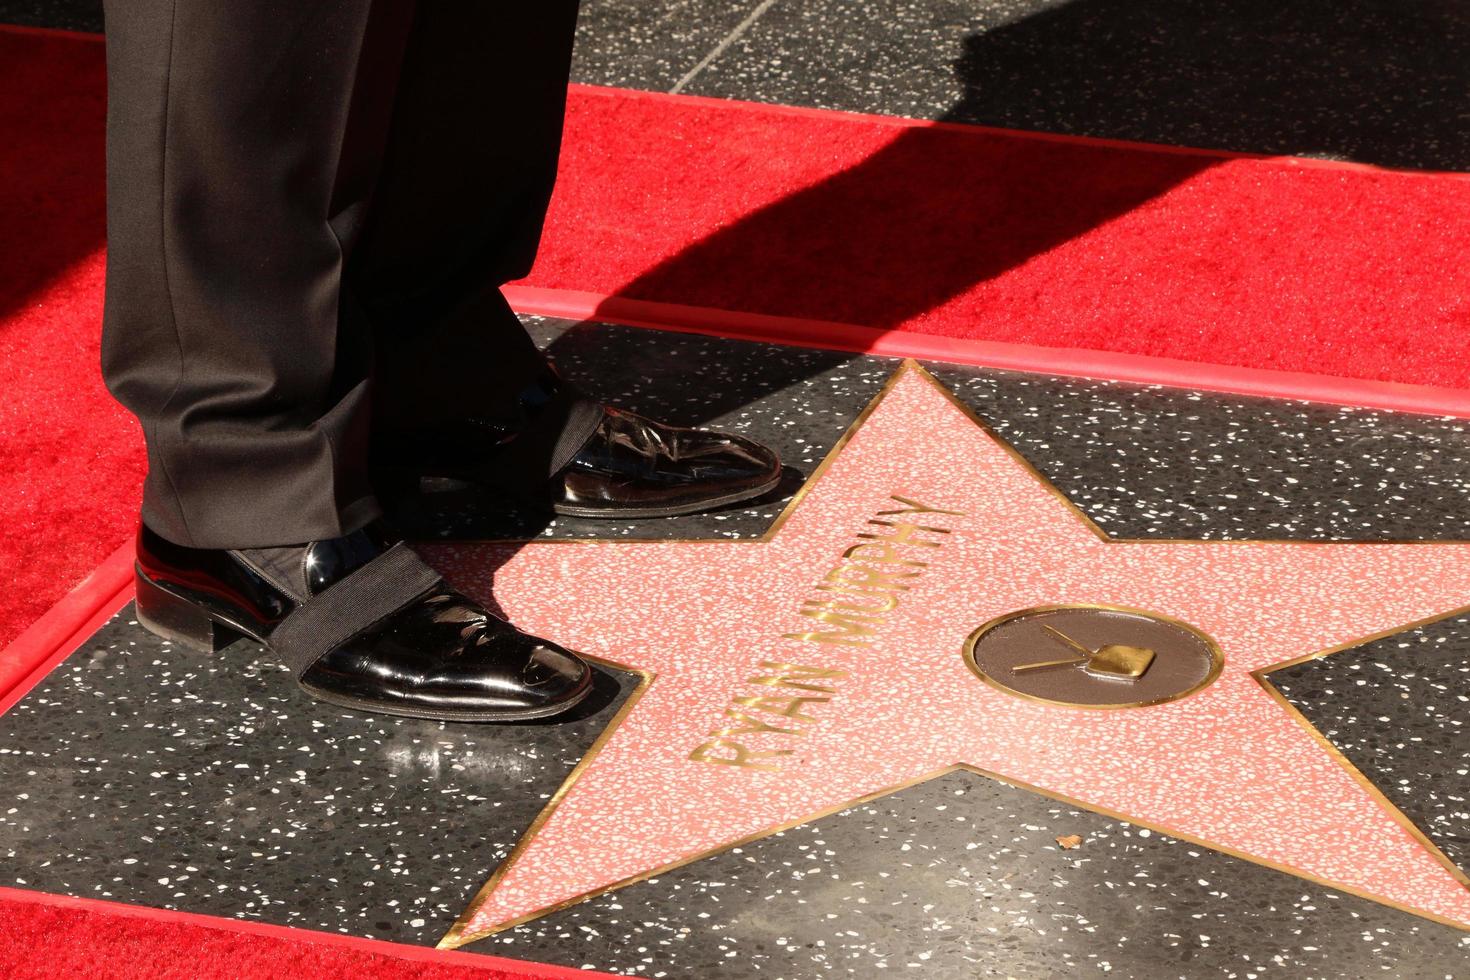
470	164
233	189
245	145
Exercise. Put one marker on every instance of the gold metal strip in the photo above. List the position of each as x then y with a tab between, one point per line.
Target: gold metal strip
455	937
1332	750
452	938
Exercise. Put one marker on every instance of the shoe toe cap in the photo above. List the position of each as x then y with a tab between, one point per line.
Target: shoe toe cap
467	665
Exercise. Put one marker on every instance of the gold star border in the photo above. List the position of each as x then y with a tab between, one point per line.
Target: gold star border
457	936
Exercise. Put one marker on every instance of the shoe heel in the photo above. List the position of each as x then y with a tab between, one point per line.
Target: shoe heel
176	619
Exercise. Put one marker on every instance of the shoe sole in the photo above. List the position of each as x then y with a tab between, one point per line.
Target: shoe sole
679	510
482	717
182	622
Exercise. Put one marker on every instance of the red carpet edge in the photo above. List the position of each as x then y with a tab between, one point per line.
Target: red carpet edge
98	595
1001	355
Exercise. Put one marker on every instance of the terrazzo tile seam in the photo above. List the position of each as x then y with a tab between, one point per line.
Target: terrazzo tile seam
722	46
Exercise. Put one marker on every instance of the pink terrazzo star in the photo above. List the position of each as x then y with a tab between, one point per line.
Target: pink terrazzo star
1229	766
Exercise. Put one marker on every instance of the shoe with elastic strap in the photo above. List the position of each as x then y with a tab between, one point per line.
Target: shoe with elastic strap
622	466
362	622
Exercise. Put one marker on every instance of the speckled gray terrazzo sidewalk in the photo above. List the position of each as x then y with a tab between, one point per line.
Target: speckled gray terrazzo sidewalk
962	876
1154	462
143	773
1361	80
1399	710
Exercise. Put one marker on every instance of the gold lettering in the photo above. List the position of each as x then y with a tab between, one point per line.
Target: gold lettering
886	552
885	603
739	755
750	725
847	590
867	577
904	533
798	677
914	507
785	707
849	630
874	572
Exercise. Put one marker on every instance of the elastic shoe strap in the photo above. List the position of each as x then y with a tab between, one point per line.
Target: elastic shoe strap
367	596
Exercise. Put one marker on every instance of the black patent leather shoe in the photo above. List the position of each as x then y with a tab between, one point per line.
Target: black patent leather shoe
636	467
626	466
363	623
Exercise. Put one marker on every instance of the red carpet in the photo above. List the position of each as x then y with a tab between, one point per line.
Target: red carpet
1267	263
62	939
944	230
70	459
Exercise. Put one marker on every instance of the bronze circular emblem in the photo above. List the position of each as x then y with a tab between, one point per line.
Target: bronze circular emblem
1093	656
